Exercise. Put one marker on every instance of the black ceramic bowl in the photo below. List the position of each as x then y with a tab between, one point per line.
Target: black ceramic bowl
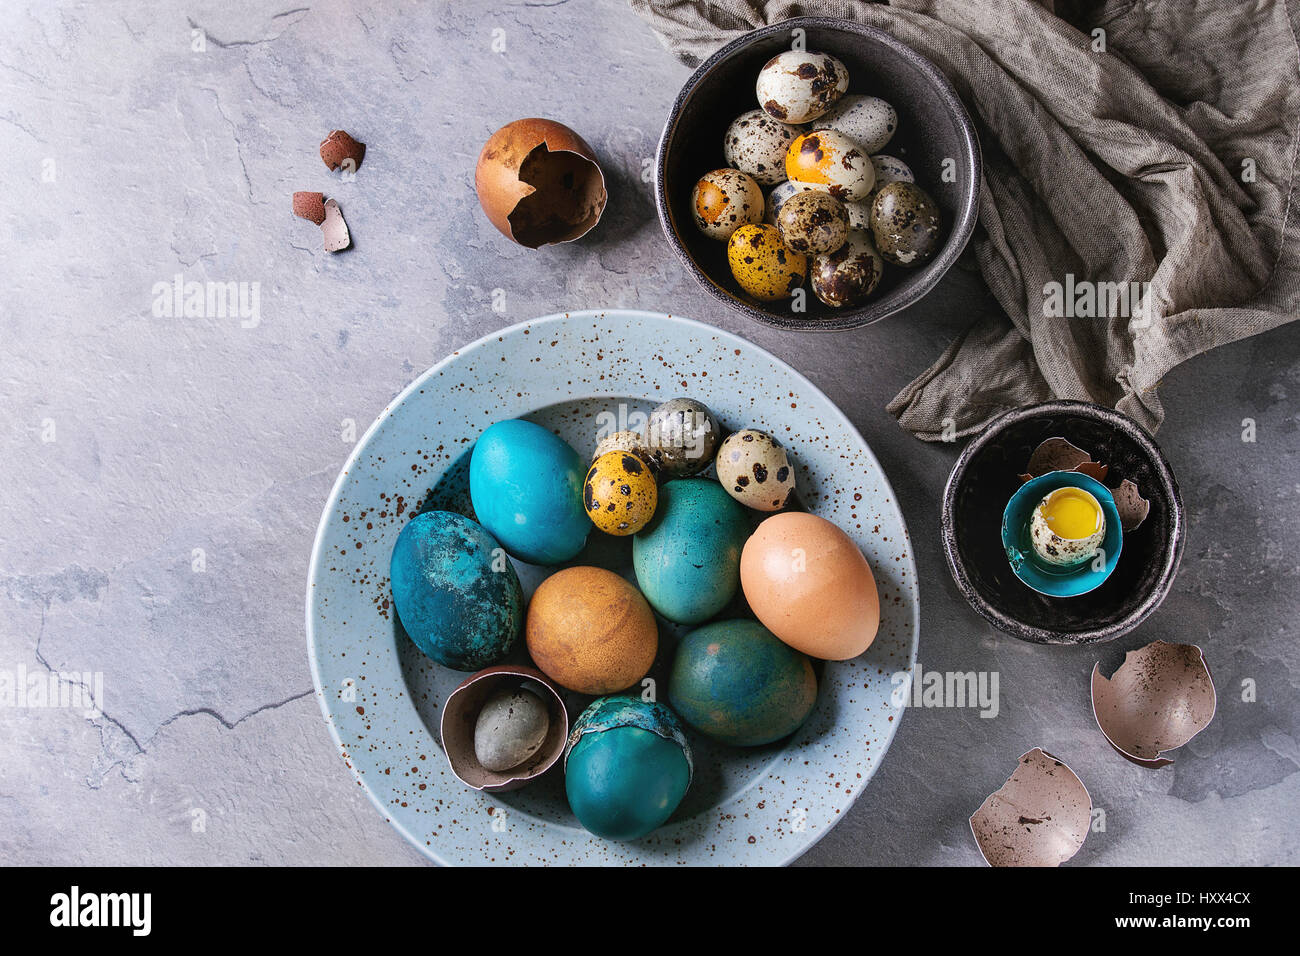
933	126
986	476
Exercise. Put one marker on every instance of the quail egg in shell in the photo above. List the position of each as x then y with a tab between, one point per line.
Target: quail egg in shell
620	493
891	169
797	86
754	469
762	265
867	120
682	436
831	158
756	144
777	197
847	276
628	441
813	222
1067	527
905	223
724	200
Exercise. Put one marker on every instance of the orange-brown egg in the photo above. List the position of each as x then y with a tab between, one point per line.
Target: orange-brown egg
808	584
591	631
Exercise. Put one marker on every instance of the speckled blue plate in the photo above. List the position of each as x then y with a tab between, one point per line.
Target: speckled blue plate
382	698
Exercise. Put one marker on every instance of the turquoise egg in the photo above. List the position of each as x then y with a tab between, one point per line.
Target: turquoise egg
456	594
687	559
736	682
627	766
526	486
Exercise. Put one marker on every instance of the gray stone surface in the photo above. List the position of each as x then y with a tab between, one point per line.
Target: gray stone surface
137	448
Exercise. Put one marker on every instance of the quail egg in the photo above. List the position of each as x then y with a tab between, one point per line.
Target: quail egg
831	158
762	265
1067	527
891	169
724	200
620	493
867	120
755	470
847	276
905	224
797	86
629	441
777	197
813	222
756	144
682	435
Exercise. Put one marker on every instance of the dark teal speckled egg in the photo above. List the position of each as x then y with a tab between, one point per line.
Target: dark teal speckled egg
736	682
456	593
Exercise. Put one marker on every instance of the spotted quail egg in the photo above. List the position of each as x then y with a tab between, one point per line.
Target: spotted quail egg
683	436
762	265
777	197
867	120
629	441
620	493
813	222
755	470
724	200
831	158
756	144
905	223
891	169
797	86
848	275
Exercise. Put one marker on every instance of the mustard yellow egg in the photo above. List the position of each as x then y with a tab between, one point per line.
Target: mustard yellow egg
620	493
832	160
763	265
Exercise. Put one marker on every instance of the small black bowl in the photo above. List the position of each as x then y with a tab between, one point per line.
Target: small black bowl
987	475
933	127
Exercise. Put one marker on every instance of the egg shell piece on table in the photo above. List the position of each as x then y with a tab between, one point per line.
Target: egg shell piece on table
736	682
796	86
591	631
724	200
906	224
867	120
620	493
755	143
1044	790
455	601
526	488
762	265
627	767
510	728
831	159
813	222
847	276
539	183
754	468
807	583
682	436
687	559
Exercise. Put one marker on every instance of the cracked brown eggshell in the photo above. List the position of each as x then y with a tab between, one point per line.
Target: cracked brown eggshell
1039	817
1157	700
339	150
539	183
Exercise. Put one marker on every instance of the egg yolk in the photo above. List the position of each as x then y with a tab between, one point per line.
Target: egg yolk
1071	514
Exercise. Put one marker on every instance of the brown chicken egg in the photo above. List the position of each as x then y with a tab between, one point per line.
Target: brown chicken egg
539	183
807	583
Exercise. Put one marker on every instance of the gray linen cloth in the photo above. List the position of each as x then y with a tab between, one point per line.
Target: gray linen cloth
1161	150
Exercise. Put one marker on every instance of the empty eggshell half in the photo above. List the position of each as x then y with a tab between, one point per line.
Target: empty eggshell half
1039	817
460	716
1158	699
539	183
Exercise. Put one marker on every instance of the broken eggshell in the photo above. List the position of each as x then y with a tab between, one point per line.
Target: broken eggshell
335	230
1057	454
1133	508
460	716
539	183
1039	817
1157	700
339	150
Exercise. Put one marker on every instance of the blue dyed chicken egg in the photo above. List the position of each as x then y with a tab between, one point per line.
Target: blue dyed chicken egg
526	486
456	593
736	682
627	766
687	559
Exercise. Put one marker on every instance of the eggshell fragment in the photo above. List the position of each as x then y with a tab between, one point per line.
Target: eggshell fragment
1133	508
1158	699
539	183
1039	817
338	150
1055	454
337	237
309	206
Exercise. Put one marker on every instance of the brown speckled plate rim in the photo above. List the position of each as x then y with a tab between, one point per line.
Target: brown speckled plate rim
1169	490
792	848
897	299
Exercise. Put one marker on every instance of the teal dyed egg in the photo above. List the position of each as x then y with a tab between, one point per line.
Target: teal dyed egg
736	682
687	559
456	594
627	766
526	487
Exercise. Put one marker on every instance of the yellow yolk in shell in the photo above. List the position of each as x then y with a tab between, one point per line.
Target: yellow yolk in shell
1071	513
